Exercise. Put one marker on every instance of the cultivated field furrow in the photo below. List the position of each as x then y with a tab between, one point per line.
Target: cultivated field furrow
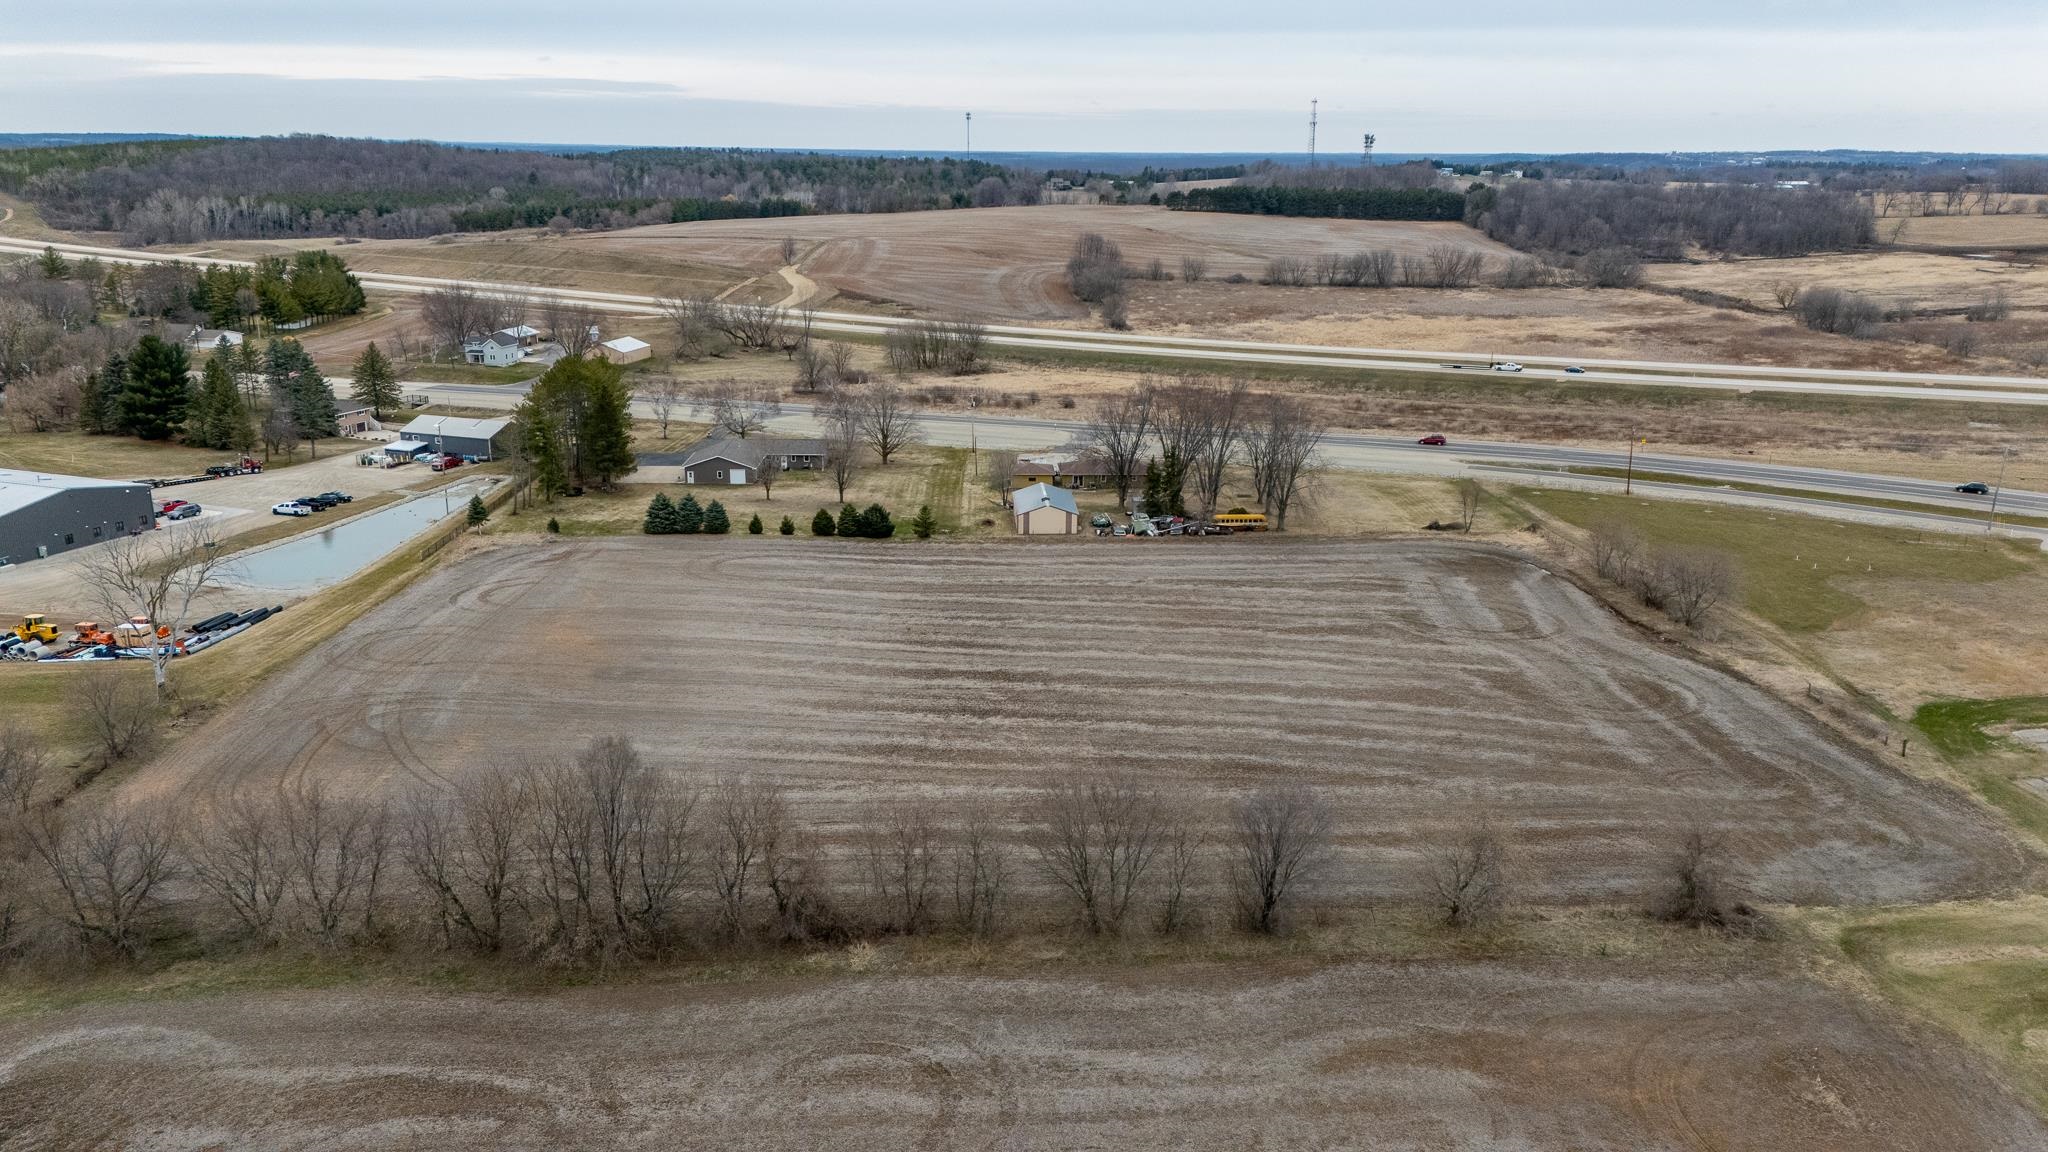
1420	685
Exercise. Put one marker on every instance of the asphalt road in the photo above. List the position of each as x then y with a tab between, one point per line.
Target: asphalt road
1665	374
1531	463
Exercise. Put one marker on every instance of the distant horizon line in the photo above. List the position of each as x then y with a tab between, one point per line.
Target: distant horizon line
61	138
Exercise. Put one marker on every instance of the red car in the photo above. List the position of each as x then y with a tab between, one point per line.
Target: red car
1433	441
170	506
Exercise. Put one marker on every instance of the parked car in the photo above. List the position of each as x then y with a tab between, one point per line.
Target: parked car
1507	366
337	497
170	506
1574	370
290	508
1120	530
447	462
1974	488
316	503
184	511
1433	441
1100	520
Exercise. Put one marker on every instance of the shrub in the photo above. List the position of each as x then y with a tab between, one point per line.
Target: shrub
922	526
788	527
689	517
754	526
850	522
875	523
821	524
1116	312
554	526
477	512
1096	269
715	521
1842	313
1612	268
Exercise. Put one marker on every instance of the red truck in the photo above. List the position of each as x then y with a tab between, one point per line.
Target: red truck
242	467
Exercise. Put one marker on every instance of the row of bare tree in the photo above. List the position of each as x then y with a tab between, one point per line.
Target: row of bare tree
459	312
1686	584
1199	428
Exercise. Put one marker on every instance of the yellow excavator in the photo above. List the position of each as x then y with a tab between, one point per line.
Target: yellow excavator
36	626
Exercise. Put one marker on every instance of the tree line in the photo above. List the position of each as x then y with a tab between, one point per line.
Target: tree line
1656	222
600	857
1343	203
185	191
1172	439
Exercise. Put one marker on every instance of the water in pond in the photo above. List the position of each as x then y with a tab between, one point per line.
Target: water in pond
329	557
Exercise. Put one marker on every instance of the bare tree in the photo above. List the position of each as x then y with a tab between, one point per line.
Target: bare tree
757	327
789	250
662	395
695	322
1281	445
1282	834
238	857
843	440
109	863
768	473
1469	876
1185	415
1120	430
155	576
887	422
739	409
642	825
465	851
1469	493
1696	889
1695	581
747	819
1229	408
793	868
1615	550
1193	269
455	313
900	846
570	324
981	873
280	431
335	849
1096	839
119	711
1180	849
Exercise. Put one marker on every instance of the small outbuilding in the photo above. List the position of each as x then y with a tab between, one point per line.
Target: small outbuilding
625	350
498	350
1043	510
457	435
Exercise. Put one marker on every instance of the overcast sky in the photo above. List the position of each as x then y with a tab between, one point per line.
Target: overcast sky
1049	75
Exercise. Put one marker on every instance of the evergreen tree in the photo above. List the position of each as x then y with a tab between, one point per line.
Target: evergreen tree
590	425
661	516
248	369
715	521
754	526
689	517
875	523
53	264
925	522
822	525
607	433
477	512
217	418
850	523
554	526
99	400
540	446
158	389
376	382
1155	499
789	526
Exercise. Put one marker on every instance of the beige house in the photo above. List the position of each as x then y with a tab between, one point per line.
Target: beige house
625	350
1043	510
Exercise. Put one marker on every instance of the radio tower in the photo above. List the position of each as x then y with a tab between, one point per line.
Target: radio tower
1312	132
970	135
1370	140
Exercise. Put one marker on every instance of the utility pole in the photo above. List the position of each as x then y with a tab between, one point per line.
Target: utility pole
1628	482
1991	523
970	136
973	446
1312	132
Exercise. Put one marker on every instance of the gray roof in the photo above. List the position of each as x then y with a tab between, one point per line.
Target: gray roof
427	426
503	339
749	452
1044	496
20	488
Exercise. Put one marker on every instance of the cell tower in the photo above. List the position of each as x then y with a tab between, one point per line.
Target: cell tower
1366	156
970	134
1312	132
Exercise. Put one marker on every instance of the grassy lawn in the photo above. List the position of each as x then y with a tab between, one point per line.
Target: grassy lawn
470	373
1956	727
120	457
1793	566
920	475
1980	968
1993	765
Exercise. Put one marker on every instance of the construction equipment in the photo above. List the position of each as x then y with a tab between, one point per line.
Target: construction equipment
36	626
89	633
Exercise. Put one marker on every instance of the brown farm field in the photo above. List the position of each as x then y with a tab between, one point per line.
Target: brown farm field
1418	683
1606	1056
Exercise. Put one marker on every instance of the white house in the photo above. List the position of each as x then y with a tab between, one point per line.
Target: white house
498	350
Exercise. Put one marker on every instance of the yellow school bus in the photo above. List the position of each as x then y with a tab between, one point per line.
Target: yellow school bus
1242	521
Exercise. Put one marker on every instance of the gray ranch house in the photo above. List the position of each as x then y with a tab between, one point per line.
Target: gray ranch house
732	460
